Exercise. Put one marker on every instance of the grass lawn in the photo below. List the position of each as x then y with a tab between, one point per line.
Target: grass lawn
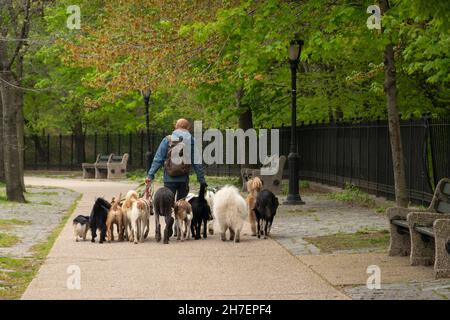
5	223
363	239
17	273
8	240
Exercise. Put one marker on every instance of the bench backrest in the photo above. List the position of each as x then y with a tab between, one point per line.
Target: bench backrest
281	163
104	158
441	198
120	159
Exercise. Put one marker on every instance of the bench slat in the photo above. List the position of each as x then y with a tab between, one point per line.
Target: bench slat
446	189
443	207
428	231
401	223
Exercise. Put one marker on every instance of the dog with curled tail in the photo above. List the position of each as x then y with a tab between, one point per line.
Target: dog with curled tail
115	217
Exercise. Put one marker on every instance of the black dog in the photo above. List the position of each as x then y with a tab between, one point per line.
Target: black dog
265	209
201	213
164	202
98	217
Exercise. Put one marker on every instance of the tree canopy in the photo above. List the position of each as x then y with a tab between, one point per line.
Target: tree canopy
199	57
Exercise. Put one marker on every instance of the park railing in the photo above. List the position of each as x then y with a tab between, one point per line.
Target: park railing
359	152
333	153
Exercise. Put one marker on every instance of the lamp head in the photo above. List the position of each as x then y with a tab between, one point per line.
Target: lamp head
295	49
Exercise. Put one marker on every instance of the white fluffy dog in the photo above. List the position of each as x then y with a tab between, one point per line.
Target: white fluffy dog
230	210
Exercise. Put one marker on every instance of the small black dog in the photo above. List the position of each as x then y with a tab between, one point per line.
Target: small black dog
201	213
265	209
98	217
164	202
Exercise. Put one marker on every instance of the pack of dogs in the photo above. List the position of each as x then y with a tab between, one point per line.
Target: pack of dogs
191	217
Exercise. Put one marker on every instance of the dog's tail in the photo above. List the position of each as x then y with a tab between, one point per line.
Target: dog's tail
130	198
202	192
254	185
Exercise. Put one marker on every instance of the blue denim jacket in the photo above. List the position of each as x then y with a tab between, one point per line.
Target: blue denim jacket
161	155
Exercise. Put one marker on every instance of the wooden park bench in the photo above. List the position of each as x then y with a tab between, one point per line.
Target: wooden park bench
90	170
424	235
117	166
270	182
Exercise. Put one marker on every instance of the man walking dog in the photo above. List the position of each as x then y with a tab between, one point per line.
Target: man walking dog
176	168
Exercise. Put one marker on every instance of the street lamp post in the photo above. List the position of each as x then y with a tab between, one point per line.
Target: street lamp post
293	197
148	155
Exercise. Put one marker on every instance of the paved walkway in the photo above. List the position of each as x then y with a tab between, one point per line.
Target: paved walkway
205	269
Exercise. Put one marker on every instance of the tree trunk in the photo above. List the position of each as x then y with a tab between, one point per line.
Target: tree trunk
2	163
20	137
11	100
390	88
79	142
245	123
245	117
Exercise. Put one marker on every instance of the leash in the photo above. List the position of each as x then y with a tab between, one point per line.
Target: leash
148	191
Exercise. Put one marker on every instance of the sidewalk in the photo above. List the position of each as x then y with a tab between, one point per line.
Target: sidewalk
204	269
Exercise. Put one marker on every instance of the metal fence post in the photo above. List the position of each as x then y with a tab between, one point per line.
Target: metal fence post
60	152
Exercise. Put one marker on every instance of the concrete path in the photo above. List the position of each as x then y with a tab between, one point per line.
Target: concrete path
204	269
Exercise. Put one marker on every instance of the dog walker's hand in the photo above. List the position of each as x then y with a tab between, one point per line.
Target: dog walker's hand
148	181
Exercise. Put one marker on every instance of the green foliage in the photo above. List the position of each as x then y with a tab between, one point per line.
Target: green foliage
236	45
354	196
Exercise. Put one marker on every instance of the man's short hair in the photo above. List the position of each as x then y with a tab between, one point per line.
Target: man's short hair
182	124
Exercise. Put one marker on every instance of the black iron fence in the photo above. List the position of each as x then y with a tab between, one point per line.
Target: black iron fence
360	153
331	153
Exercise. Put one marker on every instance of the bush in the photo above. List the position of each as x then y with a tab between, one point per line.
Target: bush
353	195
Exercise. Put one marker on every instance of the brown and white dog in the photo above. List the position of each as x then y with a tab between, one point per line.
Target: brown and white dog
130	198
115	217
254	186
138	212
183	217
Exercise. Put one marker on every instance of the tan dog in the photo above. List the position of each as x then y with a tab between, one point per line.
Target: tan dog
254	186
130	198
139	219
183	216
115	217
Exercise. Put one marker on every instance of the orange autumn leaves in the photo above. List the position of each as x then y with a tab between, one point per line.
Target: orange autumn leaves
138	44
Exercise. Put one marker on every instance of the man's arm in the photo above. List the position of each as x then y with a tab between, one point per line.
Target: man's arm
196	154
160	157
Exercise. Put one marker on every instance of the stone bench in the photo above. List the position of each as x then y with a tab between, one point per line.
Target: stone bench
97	169
270	182
424	235
117	166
